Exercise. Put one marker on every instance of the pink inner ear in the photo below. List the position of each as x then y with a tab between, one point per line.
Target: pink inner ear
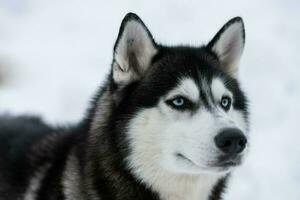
229	46
134	50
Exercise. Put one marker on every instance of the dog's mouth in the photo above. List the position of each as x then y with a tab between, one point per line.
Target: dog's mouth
223	163
229	163
181	156
229	160
186	159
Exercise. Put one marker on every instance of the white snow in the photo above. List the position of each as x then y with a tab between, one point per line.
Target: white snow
56	53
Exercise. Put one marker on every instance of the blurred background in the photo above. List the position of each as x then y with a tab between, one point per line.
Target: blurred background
54	54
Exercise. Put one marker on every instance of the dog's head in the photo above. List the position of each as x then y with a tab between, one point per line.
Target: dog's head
181	108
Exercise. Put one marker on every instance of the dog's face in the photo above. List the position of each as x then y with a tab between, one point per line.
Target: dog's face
185	111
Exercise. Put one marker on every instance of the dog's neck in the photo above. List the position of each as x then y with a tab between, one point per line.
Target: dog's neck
181	187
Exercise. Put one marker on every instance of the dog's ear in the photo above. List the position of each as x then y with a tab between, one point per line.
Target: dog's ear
228	45
133	50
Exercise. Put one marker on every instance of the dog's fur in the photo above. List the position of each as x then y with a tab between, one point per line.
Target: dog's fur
137	141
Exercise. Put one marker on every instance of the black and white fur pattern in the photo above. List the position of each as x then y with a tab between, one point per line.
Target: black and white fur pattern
133	143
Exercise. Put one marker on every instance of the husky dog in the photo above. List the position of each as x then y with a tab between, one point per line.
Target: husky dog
170	123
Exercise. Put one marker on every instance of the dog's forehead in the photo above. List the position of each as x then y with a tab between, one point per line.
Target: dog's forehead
186	87
172	67
178	62
218	88
195	88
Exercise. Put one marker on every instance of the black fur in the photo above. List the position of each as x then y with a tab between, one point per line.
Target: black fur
28	144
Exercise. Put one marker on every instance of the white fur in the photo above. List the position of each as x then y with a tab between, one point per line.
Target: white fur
153	162
219	90
229	47
135	40
187	88
71	179
240	122
35	183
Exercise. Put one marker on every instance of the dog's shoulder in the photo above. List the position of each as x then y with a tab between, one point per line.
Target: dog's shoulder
17	133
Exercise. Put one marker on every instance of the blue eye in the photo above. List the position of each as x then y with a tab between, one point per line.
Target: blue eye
180	103
225	103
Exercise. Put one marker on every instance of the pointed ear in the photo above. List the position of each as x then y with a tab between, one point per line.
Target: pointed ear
133	50
228	45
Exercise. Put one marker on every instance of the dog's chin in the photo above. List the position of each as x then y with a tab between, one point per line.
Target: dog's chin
218	167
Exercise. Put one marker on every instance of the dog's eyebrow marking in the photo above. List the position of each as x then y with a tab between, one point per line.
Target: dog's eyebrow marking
186	87
218	89
205	94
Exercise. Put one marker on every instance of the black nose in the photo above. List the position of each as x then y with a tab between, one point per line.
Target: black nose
231	141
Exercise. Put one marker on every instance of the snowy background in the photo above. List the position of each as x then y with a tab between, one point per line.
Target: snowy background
54	54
